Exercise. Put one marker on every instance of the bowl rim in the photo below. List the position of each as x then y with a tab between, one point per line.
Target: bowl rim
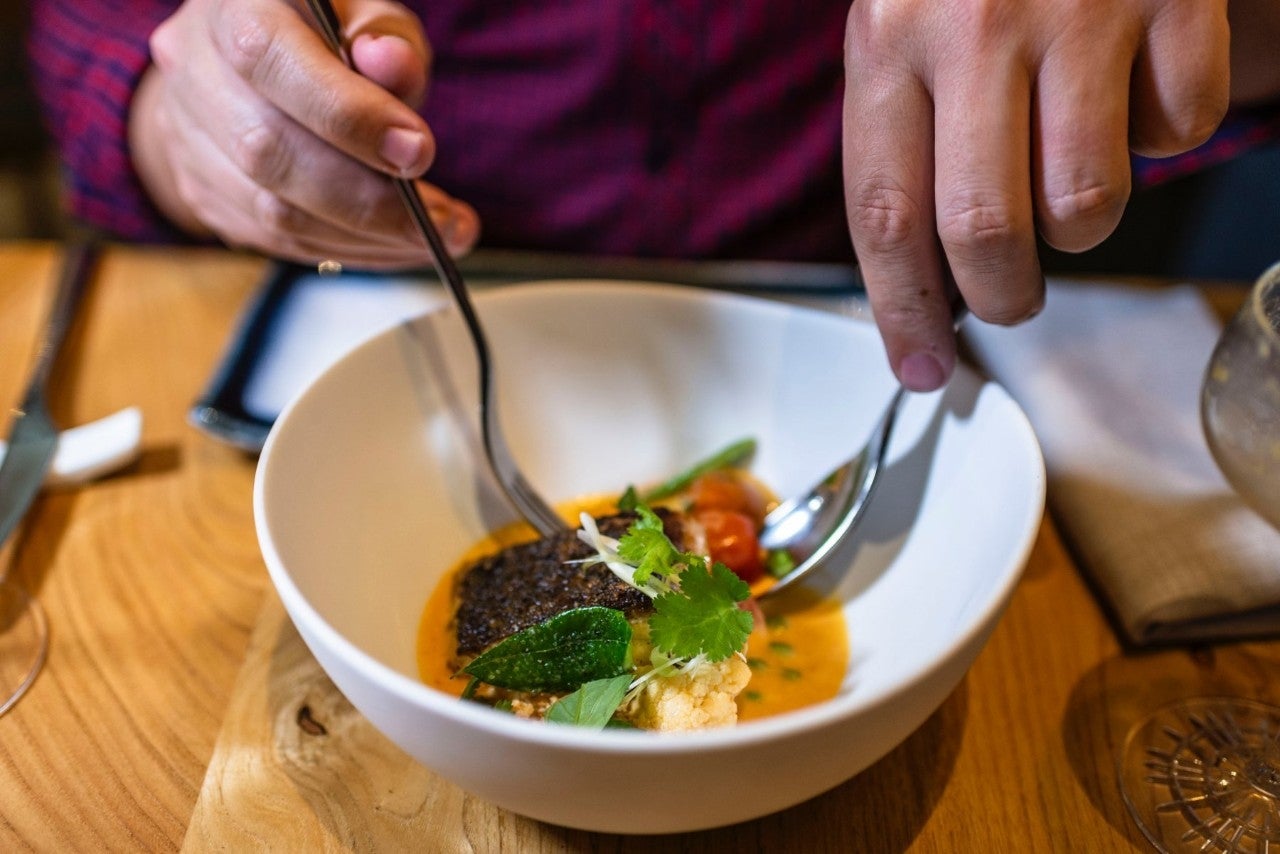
618	741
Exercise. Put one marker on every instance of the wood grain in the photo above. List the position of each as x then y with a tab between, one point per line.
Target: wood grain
150	578
180	709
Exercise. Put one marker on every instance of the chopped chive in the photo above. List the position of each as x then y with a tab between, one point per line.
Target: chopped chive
722	459
779	562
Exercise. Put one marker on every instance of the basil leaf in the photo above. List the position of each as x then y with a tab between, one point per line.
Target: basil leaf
592	705
559	654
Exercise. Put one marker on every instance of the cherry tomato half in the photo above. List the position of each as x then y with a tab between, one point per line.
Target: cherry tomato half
731	540
723	490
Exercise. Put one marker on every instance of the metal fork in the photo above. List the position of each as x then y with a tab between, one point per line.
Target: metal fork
531	506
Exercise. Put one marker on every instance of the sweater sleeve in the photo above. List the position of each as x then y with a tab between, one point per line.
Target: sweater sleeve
86	60
1244	129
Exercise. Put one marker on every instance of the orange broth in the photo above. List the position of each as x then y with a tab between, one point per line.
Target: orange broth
798	658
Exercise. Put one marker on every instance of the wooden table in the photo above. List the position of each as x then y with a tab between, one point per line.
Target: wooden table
179	709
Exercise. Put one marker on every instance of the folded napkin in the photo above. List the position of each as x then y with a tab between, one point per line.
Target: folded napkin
1110	377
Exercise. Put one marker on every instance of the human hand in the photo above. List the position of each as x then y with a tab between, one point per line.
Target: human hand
247	127
971	124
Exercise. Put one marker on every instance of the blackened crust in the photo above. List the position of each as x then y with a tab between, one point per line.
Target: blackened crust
524	585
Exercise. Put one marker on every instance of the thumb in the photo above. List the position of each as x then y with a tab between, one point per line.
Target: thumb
389	47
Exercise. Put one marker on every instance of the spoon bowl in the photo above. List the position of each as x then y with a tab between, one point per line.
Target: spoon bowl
809	526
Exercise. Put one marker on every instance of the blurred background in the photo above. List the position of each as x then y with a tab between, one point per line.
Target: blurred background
29	205
1223	223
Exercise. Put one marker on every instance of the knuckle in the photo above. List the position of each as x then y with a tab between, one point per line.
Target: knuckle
879	21
1076	218
189	191
988	16
332	118
275	215
977	224
366	212
251	46
258	151
883	214
906	311
1090	200
163	44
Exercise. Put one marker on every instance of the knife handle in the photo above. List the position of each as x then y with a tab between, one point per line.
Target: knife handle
77	266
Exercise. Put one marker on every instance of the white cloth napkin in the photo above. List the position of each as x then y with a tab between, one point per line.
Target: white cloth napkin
1110	377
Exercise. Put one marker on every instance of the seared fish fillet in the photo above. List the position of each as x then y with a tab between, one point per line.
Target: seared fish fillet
524	585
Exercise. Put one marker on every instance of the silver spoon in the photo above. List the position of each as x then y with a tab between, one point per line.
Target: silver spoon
809	526
536	511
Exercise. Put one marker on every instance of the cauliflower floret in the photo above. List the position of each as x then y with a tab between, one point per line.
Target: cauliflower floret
698	699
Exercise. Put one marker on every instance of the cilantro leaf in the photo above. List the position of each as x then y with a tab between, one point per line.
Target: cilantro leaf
592	705
703	616
646	547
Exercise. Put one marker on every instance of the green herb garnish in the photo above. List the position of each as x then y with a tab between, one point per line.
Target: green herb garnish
559	654
646	547
629	500
593	704
696	614
778	562
586	651
702	617
732	455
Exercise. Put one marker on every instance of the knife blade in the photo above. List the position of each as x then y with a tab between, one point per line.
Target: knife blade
33	438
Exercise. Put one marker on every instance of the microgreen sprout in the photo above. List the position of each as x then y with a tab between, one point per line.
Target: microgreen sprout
696	609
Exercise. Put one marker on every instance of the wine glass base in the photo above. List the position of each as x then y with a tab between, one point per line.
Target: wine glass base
24	643
1203	775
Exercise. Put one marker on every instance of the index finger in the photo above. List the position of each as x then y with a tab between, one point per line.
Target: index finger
888	168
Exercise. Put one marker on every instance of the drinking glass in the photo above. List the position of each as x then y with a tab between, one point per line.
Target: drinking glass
1240	399
1203	774
24	640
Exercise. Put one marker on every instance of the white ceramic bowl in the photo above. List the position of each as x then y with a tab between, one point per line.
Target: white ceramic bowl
371	484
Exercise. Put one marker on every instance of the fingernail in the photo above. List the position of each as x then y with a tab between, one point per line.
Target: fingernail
921	372
403	149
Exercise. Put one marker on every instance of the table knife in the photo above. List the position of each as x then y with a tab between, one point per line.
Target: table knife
33	438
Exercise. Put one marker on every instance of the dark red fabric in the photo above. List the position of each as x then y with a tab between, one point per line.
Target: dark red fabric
87	58
678	128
